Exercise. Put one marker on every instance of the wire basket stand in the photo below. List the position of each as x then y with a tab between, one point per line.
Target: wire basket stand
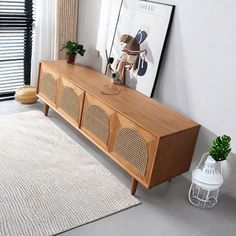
207	179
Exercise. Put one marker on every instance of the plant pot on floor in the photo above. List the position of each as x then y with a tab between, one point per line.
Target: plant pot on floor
71	58
207	177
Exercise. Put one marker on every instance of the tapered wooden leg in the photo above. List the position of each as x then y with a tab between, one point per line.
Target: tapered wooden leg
134	185
45	110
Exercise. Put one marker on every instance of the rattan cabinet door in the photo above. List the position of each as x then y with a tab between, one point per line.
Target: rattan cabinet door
97	120
48	84
70	101
134	147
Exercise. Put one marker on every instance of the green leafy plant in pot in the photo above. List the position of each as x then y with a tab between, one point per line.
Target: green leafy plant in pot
220	148
207	177
72	48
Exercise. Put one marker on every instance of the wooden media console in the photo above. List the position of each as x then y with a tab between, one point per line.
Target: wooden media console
147	139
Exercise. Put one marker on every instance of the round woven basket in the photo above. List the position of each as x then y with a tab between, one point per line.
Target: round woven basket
26	95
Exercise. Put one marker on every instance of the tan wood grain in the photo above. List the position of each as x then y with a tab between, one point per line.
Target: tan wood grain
148	113
174	155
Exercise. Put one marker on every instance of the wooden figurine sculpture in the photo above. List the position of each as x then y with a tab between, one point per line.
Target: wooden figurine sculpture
132	57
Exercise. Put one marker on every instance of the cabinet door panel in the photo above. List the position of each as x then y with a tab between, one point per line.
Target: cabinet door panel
48	85
70	101
134	146
97	120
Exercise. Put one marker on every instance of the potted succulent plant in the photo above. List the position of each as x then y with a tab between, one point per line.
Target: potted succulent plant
72	48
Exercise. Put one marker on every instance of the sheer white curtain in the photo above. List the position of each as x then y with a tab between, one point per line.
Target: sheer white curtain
44	35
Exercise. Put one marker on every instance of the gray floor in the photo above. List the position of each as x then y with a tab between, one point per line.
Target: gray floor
165	210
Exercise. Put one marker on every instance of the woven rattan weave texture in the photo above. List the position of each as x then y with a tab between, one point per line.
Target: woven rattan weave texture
131	146
69	102
49	87
97	122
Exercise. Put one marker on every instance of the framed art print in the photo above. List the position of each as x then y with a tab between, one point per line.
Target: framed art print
139	42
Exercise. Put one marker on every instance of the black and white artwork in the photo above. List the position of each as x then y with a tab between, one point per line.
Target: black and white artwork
139	42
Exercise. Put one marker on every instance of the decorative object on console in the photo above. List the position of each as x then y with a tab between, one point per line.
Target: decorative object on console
207	178
111	90
139	43
26	95
72	48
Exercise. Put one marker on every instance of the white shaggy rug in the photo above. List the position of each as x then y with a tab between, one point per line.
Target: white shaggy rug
48	183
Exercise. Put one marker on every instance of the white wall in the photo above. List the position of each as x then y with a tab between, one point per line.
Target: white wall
97	20
198	72
89	14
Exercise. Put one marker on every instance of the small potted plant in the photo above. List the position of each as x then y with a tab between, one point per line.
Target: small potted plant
207	177
220	148
72	48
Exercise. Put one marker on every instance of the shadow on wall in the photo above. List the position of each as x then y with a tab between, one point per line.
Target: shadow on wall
173	75
89	14
92	59
203	145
